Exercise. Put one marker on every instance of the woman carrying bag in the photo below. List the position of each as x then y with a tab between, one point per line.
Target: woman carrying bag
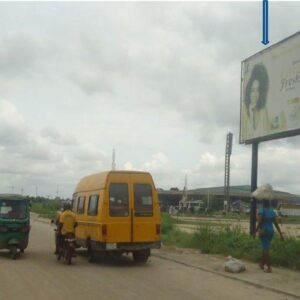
265	219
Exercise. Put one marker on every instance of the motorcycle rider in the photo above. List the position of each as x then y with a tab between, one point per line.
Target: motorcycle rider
58	236
67	224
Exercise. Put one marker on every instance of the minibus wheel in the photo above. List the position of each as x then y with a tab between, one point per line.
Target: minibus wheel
91	254
115	254
141	256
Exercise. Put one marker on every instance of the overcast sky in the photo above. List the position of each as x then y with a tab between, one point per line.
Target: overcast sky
159	82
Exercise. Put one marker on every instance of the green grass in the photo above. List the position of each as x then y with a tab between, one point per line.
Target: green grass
173	236
231	241
216	215
291	219
226	218
46	210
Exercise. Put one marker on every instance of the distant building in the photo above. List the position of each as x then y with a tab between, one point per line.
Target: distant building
237	194
287	209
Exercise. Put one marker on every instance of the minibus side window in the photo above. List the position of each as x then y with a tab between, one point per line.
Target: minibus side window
74	203
80	207
143	200
93	205
118	199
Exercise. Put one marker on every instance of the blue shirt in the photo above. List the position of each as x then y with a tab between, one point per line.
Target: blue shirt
268	216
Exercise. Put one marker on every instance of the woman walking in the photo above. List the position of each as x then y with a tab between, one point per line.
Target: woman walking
265	219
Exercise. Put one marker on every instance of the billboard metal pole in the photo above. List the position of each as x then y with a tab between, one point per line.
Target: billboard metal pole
253	187
228	150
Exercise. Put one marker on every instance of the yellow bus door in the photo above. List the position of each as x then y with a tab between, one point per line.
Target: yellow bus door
143	223
119	227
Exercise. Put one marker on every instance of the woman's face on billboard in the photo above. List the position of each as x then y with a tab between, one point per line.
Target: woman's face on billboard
254	93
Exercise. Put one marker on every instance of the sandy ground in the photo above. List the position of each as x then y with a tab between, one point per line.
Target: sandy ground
38	275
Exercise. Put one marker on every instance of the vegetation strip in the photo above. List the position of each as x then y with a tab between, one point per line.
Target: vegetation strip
231	240
229	276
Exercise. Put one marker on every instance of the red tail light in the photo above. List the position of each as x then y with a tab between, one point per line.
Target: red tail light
158	229
3	229
104	230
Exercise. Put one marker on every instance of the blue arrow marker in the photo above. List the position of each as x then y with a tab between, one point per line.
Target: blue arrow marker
265	28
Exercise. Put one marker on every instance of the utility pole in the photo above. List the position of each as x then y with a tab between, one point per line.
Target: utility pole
185	194
182	202
185	189
57	191
208	200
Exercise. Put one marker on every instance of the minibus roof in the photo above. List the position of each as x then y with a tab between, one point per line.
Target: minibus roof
98	181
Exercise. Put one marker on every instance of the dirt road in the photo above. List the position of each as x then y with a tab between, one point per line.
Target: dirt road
38	276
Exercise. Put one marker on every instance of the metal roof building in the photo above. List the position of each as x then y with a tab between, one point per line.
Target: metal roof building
216	196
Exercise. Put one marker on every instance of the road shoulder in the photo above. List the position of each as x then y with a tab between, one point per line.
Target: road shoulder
283	281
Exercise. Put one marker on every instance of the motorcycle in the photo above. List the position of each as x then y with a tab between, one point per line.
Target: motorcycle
67	248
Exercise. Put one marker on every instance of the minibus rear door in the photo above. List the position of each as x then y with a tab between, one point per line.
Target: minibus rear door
143	221
119	227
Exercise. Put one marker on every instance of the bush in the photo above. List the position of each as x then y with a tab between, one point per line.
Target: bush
46	210
227	241
172	236
286	253
167	223
233	241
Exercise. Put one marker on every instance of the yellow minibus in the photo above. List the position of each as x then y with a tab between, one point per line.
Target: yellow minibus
117	211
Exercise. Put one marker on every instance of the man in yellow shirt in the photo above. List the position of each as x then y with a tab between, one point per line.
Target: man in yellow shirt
67	222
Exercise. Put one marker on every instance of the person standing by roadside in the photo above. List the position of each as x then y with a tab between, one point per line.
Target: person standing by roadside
266	217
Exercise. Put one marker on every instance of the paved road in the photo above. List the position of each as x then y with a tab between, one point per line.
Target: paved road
37	275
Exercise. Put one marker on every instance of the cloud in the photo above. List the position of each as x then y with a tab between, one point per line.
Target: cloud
160	82
57	138
13	130
158	161
89	152
17	54
207	160
128	166
27	157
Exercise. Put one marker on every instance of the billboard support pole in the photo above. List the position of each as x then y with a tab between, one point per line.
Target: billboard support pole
228	150
253	187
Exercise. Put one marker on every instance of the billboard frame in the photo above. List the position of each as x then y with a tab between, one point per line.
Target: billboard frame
273	136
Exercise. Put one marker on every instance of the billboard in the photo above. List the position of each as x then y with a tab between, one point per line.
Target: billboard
270	92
